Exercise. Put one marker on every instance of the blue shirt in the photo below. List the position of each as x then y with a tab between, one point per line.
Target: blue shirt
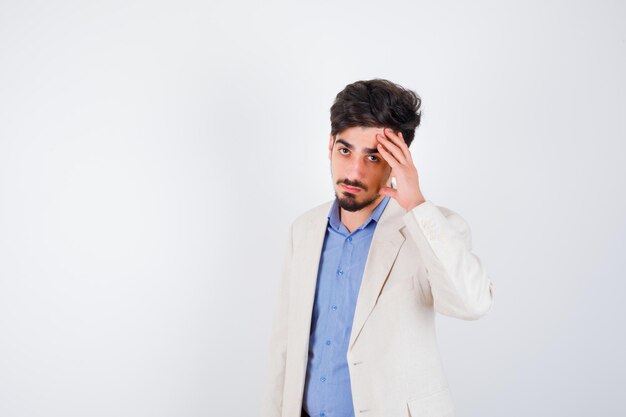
327	390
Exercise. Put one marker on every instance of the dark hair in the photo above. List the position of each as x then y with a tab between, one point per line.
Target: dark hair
376	103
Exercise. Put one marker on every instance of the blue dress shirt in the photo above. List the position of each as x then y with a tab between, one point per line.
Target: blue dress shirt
327	390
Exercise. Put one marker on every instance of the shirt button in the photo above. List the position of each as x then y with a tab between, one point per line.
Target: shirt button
340	272
323	379
328	343
350	239
334	307
322	414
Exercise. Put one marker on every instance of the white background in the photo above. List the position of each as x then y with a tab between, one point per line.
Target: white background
153	154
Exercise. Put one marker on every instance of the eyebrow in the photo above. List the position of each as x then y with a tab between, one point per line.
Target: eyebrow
347	145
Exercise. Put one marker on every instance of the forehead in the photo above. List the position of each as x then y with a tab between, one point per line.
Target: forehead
360	137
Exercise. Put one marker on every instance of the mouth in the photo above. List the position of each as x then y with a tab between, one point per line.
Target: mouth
350	189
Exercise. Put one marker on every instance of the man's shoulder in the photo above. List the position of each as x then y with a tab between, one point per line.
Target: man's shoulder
318	212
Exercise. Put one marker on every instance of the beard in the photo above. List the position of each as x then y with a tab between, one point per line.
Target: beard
349	202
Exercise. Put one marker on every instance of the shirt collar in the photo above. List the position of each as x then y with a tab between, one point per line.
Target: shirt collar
335	222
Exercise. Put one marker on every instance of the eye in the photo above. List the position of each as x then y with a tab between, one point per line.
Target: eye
343	149
373	158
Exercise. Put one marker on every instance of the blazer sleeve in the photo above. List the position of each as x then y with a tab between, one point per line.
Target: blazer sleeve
275	380
459	283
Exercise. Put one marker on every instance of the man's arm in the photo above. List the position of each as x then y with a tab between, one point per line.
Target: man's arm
458	280
272	400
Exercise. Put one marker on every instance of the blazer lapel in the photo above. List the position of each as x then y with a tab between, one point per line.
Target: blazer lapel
308	265
383	251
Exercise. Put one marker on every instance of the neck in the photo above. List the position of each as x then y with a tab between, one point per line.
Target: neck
353	219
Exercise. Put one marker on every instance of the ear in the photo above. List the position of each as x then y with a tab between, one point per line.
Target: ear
331	142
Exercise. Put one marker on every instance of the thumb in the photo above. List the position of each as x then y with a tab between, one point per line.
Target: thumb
388	191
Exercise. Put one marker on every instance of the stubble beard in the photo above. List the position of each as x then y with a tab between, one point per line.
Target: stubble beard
349	202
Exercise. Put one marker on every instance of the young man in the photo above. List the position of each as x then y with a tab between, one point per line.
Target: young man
364	274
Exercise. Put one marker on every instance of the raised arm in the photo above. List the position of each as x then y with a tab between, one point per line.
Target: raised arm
459	283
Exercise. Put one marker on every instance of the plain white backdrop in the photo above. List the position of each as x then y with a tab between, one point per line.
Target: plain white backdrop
153	155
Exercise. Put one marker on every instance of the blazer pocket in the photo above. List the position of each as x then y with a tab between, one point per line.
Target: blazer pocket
438	404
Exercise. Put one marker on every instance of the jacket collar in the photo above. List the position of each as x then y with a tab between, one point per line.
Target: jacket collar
386	243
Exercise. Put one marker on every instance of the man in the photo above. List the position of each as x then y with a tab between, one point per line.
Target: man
354	332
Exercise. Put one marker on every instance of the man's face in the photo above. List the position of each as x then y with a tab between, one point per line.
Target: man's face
357	168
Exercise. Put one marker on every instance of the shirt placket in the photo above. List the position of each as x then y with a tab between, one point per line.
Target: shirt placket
339	309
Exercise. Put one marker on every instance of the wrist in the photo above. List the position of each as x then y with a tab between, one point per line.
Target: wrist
419	200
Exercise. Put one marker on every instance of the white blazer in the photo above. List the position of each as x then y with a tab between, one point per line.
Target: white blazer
419	262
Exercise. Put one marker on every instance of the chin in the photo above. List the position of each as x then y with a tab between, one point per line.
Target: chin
350	203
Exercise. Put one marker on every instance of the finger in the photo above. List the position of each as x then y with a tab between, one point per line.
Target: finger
391	160
398	139
392	148
405	148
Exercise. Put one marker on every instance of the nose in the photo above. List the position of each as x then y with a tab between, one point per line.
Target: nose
356	169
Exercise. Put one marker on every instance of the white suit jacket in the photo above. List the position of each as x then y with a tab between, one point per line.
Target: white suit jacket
419	262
